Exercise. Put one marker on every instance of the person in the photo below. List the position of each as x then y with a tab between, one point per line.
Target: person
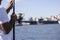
20	18
6	25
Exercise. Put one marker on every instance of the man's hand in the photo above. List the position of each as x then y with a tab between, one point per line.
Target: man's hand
10	6
13	17
12	1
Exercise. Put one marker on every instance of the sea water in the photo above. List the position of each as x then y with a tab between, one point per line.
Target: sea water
38	32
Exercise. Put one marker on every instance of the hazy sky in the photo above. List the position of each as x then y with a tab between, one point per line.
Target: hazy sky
36	8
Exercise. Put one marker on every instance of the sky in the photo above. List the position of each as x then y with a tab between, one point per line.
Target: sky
36	8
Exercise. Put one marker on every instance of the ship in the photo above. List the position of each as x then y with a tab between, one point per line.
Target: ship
42	21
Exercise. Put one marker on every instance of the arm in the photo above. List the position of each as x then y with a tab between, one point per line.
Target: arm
9	7
6	27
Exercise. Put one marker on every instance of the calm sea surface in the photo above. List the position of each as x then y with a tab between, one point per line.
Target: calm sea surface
38	32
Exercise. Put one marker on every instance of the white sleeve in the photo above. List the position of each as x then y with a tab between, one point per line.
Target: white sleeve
3	16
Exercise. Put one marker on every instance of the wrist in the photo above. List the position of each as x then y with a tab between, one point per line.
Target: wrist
12	21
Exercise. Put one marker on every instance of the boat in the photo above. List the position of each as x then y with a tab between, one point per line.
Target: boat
48	21
33	22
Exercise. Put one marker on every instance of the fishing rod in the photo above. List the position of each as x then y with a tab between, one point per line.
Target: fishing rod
14	23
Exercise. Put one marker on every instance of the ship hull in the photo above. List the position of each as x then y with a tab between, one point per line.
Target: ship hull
50	22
